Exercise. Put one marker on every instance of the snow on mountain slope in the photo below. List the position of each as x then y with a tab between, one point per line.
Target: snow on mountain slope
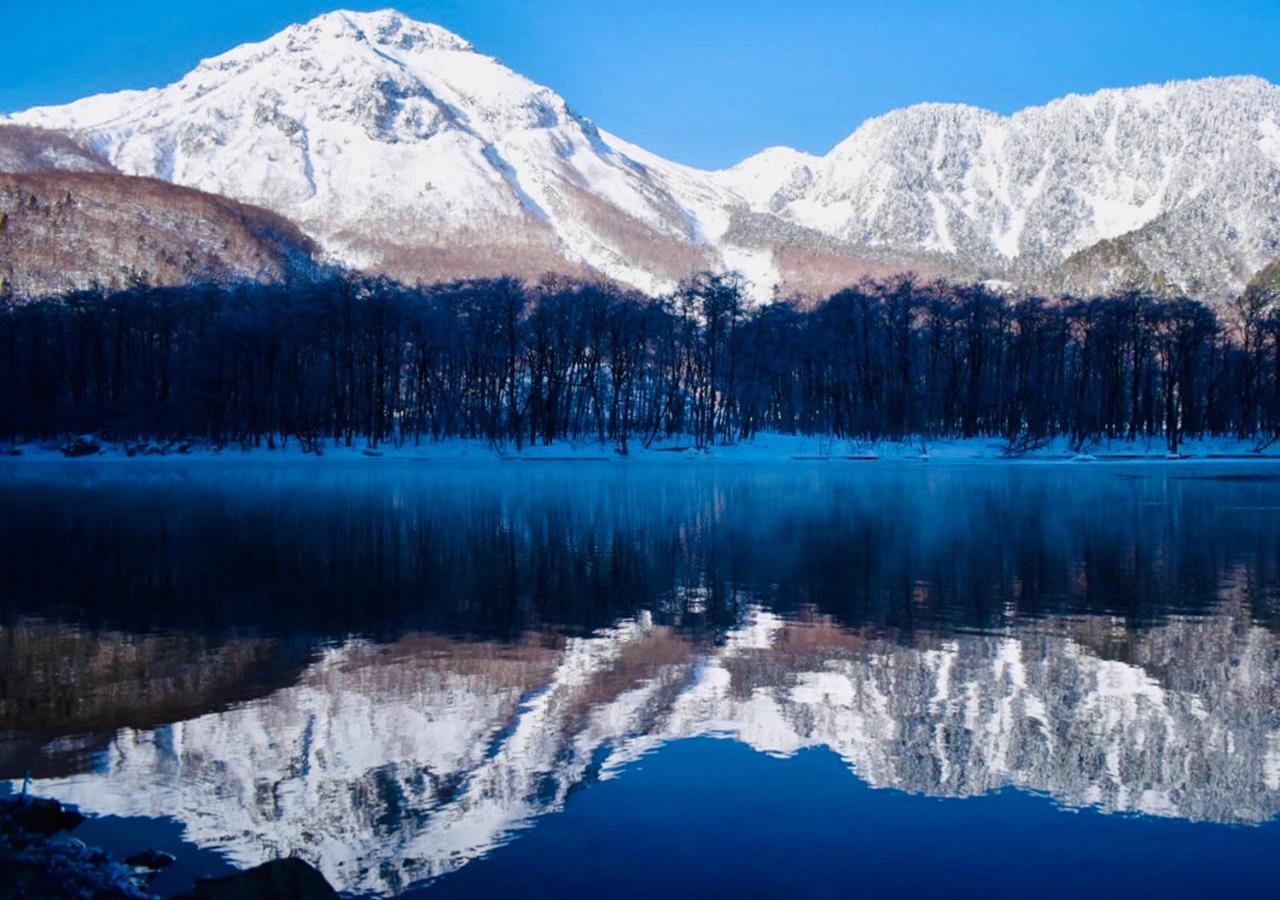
399	147
1020	193
772	178
403	149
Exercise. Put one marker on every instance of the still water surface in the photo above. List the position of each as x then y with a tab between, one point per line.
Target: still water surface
568	679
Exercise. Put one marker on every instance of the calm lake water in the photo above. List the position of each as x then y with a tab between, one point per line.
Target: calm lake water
575	679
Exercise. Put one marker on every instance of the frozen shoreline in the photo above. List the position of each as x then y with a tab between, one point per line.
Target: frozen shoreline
764	448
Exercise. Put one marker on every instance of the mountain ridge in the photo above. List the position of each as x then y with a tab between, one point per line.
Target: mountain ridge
403	149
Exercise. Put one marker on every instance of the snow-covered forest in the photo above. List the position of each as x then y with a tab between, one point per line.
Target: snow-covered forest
370	360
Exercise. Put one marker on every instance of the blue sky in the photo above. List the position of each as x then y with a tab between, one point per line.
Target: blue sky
706	83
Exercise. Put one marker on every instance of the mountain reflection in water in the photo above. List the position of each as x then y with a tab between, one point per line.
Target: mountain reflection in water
393	672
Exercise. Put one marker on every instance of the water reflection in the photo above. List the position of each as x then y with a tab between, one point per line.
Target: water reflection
392	673
499	550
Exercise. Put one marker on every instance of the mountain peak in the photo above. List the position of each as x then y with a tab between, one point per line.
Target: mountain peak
334	35
387	27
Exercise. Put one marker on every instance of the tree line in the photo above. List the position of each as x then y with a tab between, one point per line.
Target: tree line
370	361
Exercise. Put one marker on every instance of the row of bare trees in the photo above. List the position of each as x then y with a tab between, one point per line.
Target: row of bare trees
369	360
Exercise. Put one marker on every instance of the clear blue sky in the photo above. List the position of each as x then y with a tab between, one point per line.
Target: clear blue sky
706	83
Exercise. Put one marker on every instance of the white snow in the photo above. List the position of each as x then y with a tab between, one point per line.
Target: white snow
373	131
1271	763
765	447
758	179
1269	141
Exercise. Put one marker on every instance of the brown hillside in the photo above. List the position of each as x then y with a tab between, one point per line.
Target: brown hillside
24	149
65	231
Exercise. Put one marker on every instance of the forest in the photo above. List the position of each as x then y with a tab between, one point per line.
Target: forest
367	361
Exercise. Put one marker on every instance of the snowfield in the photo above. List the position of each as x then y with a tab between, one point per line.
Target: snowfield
764	448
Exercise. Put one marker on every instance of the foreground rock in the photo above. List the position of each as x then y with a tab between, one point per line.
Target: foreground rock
281	879
81	446
154	860
38	816
39	858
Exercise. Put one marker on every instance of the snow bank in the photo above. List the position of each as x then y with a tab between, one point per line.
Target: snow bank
764	448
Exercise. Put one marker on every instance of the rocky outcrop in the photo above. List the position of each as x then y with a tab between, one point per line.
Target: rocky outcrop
281	879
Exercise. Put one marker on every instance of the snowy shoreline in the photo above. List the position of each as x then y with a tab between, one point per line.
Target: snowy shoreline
764	448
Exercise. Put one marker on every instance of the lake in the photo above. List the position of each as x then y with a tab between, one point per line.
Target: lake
638	680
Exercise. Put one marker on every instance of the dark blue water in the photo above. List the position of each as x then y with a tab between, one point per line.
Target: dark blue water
712	818
567	680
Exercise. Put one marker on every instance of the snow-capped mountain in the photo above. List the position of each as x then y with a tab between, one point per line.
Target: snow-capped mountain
1189	171
401	148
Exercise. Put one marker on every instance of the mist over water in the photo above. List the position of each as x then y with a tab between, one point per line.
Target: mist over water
452	678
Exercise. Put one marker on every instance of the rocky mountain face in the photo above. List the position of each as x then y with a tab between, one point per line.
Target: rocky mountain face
389	764
403	149
1176	184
